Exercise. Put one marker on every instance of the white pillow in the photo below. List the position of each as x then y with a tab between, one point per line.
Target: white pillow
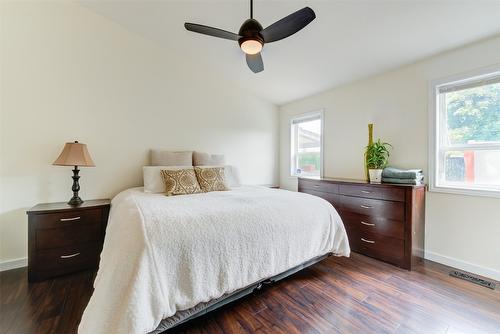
231	175
169	158
205	159
153	181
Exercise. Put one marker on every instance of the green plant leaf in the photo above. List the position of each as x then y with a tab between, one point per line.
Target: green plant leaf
377	154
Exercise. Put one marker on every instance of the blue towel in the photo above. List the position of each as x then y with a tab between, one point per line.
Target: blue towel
395	173
417	181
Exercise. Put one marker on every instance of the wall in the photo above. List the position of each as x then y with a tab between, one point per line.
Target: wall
461	231
69	74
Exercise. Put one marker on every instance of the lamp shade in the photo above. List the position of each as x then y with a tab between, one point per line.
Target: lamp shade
74	154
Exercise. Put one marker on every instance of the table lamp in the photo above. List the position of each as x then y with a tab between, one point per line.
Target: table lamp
75	154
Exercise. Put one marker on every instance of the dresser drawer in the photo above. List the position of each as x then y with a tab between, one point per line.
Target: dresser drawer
70	218
61	236
378	246
375	225
375	192
374	207
318	186
334	199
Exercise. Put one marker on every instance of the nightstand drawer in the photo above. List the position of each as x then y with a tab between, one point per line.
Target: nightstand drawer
74	217
376	225
58	261
375	192
76	234
374	207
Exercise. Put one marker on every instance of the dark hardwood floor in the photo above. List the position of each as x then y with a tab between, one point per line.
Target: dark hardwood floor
338	295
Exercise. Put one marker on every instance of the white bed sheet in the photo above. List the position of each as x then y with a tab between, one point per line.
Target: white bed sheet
166	254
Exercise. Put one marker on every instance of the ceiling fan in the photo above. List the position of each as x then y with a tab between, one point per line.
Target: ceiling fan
252	36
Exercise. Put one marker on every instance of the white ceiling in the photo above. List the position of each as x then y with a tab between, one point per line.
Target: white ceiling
348	40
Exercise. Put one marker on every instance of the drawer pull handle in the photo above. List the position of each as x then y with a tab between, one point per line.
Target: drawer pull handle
366	192
366	206
316	185
368	241
69	219
367	224
70	255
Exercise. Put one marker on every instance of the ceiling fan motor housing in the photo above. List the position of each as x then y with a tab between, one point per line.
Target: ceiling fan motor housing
250	30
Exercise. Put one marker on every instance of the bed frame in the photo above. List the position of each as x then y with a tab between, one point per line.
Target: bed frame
203	308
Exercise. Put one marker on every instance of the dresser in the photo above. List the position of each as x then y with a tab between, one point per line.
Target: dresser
63	239
383	221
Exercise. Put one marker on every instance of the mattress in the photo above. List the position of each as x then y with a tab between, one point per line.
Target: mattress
165	255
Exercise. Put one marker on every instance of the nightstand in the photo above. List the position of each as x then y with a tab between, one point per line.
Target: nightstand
63	239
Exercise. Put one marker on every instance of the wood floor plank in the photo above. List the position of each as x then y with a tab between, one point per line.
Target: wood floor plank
338	295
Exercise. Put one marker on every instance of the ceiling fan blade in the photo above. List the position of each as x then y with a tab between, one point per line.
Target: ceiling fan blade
211	31
255	63
288	25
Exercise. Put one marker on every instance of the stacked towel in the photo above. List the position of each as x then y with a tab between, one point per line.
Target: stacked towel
402	176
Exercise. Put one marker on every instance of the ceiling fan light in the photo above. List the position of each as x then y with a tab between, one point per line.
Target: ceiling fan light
251	46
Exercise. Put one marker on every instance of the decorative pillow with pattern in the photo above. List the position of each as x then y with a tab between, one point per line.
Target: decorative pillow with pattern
211	178
180	182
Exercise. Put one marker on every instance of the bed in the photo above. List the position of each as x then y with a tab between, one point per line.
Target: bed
166	259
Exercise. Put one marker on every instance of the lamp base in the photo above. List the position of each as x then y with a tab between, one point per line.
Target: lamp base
75	201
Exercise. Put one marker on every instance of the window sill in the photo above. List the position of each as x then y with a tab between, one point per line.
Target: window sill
304	176
467	192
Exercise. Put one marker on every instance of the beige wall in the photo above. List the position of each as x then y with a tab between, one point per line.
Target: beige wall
462	231
69	74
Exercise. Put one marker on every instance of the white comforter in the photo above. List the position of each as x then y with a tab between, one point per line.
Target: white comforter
166	254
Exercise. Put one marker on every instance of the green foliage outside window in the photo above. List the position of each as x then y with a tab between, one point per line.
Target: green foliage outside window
307	159
474	114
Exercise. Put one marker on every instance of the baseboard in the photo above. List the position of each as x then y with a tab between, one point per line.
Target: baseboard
13	264
463	265
446	260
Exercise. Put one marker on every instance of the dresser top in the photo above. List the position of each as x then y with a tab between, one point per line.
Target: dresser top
63	206
357	181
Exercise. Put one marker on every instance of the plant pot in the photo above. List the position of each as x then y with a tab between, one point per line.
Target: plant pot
375	175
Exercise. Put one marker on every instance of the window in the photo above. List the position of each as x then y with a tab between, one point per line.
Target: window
306	145
466	135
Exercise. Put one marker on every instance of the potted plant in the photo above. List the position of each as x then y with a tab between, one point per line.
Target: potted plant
377	157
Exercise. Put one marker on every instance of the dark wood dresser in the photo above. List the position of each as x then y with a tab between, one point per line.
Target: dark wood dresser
63	239
384	221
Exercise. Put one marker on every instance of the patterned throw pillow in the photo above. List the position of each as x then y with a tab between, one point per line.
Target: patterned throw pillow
211	179
180	182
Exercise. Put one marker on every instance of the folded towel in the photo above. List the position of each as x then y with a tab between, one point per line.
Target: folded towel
416	181
397	173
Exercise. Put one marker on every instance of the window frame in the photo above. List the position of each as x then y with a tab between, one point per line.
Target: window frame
321	114
436	128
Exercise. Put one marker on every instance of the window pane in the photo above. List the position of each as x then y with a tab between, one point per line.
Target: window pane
476	169
473	115
306	147
309	147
